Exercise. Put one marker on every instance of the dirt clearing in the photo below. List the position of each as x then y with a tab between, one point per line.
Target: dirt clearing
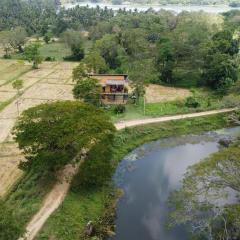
156	93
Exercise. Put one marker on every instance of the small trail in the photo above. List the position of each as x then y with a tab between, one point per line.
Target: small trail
56	196
133	123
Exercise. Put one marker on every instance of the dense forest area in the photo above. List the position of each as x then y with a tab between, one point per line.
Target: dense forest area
189	49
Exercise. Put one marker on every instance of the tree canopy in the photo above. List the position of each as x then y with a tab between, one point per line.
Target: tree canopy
52	135
202	204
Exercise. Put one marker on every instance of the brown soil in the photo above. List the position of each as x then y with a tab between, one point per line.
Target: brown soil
156	93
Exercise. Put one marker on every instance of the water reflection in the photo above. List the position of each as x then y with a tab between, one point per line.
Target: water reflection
148	175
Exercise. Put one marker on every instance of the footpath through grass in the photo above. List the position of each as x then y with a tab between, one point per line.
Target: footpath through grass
84	205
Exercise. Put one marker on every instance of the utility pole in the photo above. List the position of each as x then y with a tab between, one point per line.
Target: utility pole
144	105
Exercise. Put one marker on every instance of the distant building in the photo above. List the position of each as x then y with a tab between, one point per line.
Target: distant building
114	88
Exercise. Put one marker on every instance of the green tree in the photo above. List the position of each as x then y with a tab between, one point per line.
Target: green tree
9	228
18	85
110	50
220	70
47	38
89	90
18	38
98	167
53	135
32	54
95	62
205	185
5	43
74	40
165	60
80	72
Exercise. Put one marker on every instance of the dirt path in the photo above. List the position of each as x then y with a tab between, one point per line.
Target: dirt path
133	123
54	199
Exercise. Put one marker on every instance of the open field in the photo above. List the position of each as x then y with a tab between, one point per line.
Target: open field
49	83
156	93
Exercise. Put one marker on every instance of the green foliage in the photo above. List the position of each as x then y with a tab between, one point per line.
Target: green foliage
110	50
119	109
192	102
80	72
95	63
10	229
97	169
5	43
47	38
89	90
138	92
52	135
204	185
32	54
18	38
73	39
17	84
220	67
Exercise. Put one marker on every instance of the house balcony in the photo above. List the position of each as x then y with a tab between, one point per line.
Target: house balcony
114	98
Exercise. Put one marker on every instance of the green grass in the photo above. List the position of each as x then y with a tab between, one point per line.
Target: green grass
69	221
6	103
163	108
57	50
26	197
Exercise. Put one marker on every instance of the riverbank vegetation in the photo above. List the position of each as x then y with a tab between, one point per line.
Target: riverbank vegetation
96	204
208	201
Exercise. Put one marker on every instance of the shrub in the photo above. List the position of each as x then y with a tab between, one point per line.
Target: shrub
119	109
230	101
7	56
192	102
50	59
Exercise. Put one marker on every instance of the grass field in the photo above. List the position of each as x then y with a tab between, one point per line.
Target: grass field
57	50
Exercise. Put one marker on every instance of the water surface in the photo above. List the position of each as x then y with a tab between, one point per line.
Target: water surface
149	174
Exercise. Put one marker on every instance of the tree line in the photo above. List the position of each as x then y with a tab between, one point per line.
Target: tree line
186	49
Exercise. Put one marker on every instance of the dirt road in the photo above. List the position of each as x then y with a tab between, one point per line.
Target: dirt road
54	199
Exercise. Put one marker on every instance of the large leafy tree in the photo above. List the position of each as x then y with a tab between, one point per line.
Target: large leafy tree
95	63
32	54
74	40
18	38
220	69
53	135
165	60
110	50
88	90
202	202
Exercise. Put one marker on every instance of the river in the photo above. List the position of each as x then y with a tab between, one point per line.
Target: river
144	7
147	176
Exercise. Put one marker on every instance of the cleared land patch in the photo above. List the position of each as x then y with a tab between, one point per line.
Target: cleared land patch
36	90
157	93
